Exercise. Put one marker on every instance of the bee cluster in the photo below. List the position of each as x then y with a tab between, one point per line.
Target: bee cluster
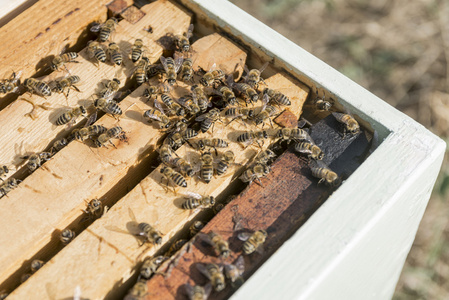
212	97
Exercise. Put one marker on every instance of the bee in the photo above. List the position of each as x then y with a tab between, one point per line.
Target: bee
154	69
175	247
146	231
66	83
186	71
115	54
227	158
109	89
60	60
138	291
173	107
3	295
311	150
253	76
8	185
182	41
196	227
215	274
94	208
150	266
58	145
4	170
217	208
201	98
141	70
236	113
198	292
108	106
36	160
165	153
246	92
95	50
208	119
171	67
321	103
266	113
10	85
38	87
137	50
156	89
255	172
296	134
207	168
212	143
105	29
170	174
36	264
25	277
157	115
253	241
234	272
66	236
180	134
190	104
114	132
265	156
89	131
71	115
276	97
194	201
326	175
185	168
226	93
350	124
212	77
249	137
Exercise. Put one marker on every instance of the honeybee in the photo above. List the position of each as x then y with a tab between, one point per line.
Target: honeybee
265	114
322	103
170	174
159	116
226	93
253	241
38	87
195	228
208	119
66	83
219	244
4	170
215	274
186	71
249	137
94	208
150	266
36	264
326	175
252	77
180	134
255	172
182	41
115	54
36	160
212	143
138	291
156	89
296	134
207	168
234	272
246	92
109	89
264	156
137	50
25	277
185	168
3	295
88	131
309	149
105	29
173	107
214	76
58	145
60	60
194	201
165	153
146	231
8	185
10	85
171	67
108	106
95	50
175	247
201	98
226	159
140	72
114	132
350	124
198	292
71	116
190	104
66	236
236	113
155	69
276	97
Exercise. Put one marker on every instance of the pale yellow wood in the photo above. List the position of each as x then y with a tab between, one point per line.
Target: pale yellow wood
53	196
97	270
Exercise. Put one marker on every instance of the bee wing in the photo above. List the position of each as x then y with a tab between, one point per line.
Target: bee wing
207	290
203	270
16	76
116	229
189	290
240	264
158	106
205	238
164	63
92	118
178	61
96	27
213	67
202	117
194	195
131	215
318	164
265	65
189	31
244	236
230	80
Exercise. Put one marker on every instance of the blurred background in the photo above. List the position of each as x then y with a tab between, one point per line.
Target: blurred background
398	50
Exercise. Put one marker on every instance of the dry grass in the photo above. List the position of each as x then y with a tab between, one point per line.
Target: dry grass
399	50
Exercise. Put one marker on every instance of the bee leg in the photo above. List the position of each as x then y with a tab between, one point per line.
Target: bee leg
231	121
112	144
271	123
259	181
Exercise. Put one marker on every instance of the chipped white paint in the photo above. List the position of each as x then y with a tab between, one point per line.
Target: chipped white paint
356	243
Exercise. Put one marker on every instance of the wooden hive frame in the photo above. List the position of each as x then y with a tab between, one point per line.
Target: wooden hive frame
121	169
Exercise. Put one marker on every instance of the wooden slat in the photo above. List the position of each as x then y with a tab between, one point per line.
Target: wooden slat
287	199
150	203
52	196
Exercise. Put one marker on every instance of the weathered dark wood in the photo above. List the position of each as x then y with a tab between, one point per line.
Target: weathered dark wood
287	199
132	14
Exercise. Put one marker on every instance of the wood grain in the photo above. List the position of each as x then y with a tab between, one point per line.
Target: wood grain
150	203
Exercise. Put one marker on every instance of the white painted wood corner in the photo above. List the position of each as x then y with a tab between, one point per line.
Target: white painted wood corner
355	245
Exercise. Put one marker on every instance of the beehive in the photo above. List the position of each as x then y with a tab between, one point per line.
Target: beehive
104	262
